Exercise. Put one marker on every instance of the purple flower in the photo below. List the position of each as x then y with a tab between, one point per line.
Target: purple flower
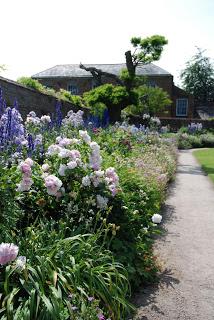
8	252
101	316
90	299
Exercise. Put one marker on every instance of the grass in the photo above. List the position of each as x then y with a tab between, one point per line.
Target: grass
206	159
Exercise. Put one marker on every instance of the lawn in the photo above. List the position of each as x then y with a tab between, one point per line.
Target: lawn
206	159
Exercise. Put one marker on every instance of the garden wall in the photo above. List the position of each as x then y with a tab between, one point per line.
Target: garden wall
176	123
31	100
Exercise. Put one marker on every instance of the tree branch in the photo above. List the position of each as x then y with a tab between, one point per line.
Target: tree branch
98	73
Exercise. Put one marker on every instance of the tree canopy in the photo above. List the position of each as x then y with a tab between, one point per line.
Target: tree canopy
198	77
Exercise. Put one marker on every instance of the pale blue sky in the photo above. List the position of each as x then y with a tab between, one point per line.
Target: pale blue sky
36	35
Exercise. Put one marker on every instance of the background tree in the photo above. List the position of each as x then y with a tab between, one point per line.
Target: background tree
198	77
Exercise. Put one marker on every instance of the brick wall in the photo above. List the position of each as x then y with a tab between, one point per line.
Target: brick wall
29	99
83	84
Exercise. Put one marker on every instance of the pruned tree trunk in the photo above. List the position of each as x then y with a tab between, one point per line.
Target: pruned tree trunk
98	73
129	64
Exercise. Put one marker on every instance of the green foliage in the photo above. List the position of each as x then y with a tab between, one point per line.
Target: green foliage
74	99
107	94
189	141
147	49
31	83
131	80
150	100
58	281
198	77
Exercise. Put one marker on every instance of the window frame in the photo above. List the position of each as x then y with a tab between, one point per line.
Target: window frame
177	106
74	92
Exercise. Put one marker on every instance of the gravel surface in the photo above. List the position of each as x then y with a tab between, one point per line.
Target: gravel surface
186	251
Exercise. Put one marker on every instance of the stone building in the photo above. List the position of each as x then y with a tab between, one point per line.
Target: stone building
70	77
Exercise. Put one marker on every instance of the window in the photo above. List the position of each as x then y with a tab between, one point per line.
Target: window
152	83
73	89
181	107
93	84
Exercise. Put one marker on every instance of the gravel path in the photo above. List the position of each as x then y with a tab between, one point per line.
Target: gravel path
186	289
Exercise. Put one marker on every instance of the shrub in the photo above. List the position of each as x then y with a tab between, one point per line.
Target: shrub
31	83
107	94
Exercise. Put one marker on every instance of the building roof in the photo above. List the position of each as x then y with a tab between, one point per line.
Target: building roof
74	71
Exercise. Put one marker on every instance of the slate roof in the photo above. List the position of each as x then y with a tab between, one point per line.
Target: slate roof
74	71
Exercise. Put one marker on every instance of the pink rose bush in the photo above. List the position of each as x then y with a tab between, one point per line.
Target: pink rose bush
26	182
53	184
70	162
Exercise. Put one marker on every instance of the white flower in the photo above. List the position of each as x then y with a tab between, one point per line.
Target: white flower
101	202
62	169
53	184
46	119
45	167
94	146
29	161
156	218
21	262
64	153
53	149
99	173
72	164
85	136
86	181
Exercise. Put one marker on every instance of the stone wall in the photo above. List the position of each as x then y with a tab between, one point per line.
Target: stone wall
29	99
176	123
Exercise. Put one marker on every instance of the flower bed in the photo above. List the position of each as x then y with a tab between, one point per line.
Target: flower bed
78	212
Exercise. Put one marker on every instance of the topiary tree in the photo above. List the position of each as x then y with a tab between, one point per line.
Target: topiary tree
198	77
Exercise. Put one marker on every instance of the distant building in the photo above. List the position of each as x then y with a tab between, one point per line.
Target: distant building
70	77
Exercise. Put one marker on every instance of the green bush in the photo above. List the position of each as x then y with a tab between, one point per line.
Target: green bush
31	83
75	100
107	94
188	141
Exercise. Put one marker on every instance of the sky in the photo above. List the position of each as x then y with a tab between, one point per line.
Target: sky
37	35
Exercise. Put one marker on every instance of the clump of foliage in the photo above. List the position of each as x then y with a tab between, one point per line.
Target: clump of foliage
31	83
107	94
150	100
198	78
199	140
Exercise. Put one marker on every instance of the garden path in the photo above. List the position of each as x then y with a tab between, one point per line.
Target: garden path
186	250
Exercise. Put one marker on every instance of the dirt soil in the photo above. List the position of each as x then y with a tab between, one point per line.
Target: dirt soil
186	251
